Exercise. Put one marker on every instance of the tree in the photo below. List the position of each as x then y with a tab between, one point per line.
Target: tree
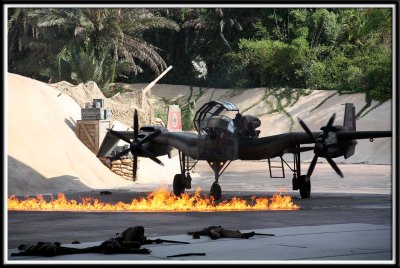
216	32
91	43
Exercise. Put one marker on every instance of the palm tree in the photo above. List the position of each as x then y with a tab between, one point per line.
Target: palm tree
92	43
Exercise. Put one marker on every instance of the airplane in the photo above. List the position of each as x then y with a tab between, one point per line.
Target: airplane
222	138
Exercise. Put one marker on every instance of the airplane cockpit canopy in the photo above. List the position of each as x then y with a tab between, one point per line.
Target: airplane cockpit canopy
210	116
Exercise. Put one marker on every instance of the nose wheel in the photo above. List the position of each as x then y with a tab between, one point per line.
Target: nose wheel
216	191
218	167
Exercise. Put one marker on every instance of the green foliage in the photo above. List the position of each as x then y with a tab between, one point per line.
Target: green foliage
324	29
342	49
87	43
347	50
369	72
161	112
266	63
188	113
377	79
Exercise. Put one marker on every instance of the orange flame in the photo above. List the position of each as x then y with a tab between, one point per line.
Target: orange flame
160	200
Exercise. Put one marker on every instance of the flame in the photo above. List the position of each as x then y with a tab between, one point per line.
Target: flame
159	200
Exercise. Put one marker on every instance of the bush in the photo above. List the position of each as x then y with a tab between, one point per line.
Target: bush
370	72
265	63
377	69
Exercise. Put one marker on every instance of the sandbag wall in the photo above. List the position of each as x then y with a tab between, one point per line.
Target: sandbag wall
123	167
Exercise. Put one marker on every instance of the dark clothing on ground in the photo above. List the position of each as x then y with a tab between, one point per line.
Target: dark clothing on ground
110	246
128	241
215	232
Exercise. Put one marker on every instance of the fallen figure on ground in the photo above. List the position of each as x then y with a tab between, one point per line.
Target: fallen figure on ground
47	249
128	241
215	232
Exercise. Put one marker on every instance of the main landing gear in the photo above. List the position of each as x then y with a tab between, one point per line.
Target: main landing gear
303	184
183	181
299	182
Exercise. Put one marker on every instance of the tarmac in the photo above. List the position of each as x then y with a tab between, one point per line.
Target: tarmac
354	242
354	227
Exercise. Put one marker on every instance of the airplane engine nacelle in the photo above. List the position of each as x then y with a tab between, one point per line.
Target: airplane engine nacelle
345	149
333	147
153	146
350	151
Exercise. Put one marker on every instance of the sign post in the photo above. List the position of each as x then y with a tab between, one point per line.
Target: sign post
174	118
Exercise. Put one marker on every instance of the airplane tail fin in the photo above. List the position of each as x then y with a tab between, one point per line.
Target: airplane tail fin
349	121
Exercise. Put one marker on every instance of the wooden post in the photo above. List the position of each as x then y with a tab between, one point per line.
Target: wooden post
147	88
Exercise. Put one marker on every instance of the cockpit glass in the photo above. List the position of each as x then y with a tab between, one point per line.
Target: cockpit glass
231	126
215	109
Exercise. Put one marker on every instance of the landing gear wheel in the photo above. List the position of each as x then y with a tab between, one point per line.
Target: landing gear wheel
304	186
178	185
216	191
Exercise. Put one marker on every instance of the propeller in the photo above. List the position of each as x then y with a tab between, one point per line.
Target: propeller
135	146
321	147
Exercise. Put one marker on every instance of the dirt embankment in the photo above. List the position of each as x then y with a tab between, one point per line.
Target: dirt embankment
44	153
122	106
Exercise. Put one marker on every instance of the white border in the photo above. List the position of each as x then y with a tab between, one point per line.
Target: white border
199	5
394	130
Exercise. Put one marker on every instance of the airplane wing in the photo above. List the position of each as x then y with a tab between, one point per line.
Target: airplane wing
272	146
110	141
183	141
356	135
186	142
248	149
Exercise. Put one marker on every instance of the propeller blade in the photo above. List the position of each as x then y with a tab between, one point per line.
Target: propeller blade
306	129
312	166
118	155
135	125
152	157
134	168
151	136
334	166
120	136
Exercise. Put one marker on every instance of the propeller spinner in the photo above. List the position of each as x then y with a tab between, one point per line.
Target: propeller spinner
135	146
321	147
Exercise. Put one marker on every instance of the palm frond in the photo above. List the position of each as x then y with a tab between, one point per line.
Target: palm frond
146	53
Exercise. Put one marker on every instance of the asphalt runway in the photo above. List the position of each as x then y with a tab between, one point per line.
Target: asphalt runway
364	196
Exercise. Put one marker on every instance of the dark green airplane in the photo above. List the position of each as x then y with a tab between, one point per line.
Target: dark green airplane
221	139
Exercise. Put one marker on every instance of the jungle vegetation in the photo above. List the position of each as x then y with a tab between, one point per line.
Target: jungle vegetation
344	49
